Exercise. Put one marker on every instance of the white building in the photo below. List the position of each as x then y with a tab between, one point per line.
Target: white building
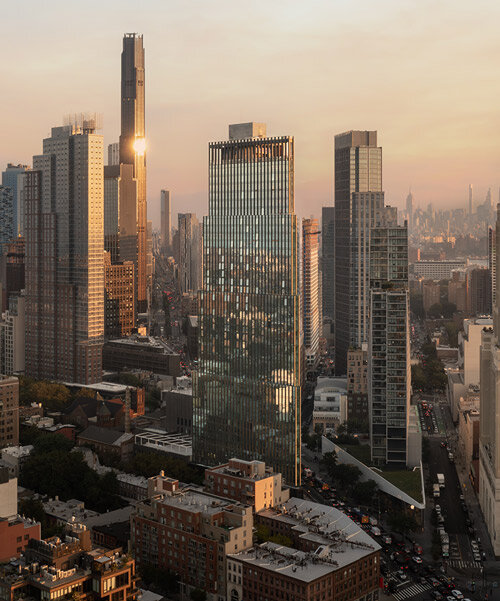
489	428
330	403
469	348
437	270
12	337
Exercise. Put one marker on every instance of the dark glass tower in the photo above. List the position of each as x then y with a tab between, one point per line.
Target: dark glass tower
247	390
133	244
358	198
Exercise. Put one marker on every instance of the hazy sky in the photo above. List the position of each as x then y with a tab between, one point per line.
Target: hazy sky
424	73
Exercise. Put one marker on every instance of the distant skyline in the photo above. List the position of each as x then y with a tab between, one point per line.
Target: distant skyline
421	73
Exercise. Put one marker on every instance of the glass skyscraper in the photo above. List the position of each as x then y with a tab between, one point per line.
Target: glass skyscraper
358	200
389	375
247	390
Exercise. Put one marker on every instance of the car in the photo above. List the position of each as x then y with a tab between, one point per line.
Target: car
457	594
437	595
402	575
435	583
450	598
417	559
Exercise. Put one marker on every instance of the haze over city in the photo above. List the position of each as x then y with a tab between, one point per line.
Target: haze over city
421	73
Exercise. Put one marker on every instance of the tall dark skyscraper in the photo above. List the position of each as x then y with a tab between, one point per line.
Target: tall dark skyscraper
358	199
328	261
133	244
247	391
64	257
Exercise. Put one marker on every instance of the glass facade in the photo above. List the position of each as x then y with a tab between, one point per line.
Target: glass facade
133	152
358	196
247	390
389	373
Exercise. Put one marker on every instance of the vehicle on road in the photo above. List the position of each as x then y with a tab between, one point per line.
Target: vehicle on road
436	491
457	594
417	559
440	479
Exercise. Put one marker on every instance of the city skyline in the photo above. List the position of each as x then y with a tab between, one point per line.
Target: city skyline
435	145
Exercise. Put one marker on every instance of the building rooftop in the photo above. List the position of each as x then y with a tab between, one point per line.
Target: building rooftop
196	501
148	342
179	444
288	562
105	435
17	452
68	511
247	470
327	526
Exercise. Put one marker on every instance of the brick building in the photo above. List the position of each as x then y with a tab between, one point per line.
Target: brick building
52	569
190	532
108	442
331	558
119	298
15	532
9	411
248	482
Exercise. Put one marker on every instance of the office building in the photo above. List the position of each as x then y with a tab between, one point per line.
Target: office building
358	200
389	375
166	221
6	216
357	384
64	256
431	294
70	568
328	261
437	270
13	178
12	265
119	298
330	405
489	428
113	154
189	253
457	291
197	531
409	209
310	290
143	353
492	263
12	337
9	411
479	291
133	152
247	390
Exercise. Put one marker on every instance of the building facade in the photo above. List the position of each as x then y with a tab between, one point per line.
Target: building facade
479	291
190	533
64	257
166	221
133	152
492	263
13	178
6	216
190	253
358	199
310	290
328	261
119	298
357	385
9	411
247	389
389	375
12	337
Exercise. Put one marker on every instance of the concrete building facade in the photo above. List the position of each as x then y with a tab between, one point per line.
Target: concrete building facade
310	290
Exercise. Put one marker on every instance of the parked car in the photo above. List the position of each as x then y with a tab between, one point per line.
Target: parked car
457	594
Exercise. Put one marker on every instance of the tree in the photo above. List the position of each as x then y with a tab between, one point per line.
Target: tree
329	460
345	475
53	396
403	523
364	492
149	464
52	442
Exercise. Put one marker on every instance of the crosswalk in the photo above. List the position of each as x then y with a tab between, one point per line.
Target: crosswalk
463	563
411	591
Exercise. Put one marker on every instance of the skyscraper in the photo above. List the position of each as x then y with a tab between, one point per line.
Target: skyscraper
389	376
492	264
64	257
166	221
13	178
6	216
409	209
190	253
247	392
133	152
328	261
489	427
310	290
471	200
358	199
